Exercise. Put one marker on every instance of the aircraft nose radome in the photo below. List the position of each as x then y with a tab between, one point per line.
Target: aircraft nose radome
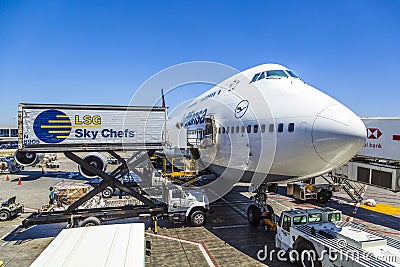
338	134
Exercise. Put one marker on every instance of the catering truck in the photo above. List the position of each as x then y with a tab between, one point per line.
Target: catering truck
94	129
88	127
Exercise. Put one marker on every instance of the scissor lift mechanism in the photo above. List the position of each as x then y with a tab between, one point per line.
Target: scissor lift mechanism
74	216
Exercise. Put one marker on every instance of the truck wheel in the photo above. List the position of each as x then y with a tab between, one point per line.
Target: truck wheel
308	255
197	218
322	197
254	215
91	221
330	194
4	215
108	192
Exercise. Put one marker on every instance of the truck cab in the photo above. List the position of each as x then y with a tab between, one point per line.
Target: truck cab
189	204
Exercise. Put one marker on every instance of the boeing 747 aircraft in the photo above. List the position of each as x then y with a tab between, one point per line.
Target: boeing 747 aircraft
266	125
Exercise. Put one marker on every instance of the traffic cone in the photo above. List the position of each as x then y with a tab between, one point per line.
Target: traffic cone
19	181
7	178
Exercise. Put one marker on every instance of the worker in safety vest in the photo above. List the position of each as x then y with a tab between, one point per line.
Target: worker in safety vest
52	195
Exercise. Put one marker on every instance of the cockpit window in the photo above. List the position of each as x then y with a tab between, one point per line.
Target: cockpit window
292	74
255	77
262	76
276	74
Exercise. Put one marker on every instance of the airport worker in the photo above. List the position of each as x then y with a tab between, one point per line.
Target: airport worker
51	195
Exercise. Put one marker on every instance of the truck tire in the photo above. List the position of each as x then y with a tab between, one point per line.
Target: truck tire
4	215
322	197
107	192
308	261
91	221
330	194
254	215
198	218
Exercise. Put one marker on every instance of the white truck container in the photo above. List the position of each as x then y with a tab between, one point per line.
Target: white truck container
107	245
383	138
89	128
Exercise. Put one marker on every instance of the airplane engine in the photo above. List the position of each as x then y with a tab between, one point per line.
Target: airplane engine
95	159
28	158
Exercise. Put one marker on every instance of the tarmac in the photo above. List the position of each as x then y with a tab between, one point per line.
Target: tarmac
227	239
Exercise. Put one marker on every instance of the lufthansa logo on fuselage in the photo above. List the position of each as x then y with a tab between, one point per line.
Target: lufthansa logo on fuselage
241	108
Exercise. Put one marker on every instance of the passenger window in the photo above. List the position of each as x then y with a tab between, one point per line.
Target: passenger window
286	223
233	129
227	130
255	130
223	130
280	127
271	128
242	129
255	77
219	130
263	128
291	127
237	129
248	128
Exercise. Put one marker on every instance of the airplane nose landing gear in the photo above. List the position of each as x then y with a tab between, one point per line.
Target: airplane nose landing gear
261	211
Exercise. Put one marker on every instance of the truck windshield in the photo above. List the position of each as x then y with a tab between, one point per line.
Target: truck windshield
300	220
334	217
316	217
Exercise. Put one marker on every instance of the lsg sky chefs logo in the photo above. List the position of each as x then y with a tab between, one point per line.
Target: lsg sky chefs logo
54	126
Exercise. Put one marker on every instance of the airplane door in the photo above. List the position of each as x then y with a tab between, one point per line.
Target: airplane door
209	131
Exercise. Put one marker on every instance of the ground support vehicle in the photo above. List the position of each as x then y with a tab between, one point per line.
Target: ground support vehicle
8	165
85	128
304	191
9	209
52	164
318	237
176	204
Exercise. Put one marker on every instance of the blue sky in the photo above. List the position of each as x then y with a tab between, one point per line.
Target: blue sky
99	52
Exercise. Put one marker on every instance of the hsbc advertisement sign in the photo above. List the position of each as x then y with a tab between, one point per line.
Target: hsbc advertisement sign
383	138
373	133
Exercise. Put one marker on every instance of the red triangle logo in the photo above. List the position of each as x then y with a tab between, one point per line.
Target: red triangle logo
373	133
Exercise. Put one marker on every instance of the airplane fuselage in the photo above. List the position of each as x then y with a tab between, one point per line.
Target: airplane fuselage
268	122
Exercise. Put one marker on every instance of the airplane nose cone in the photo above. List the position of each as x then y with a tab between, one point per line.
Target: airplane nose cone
338	134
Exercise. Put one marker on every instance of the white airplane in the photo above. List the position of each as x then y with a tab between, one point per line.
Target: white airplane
266	123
